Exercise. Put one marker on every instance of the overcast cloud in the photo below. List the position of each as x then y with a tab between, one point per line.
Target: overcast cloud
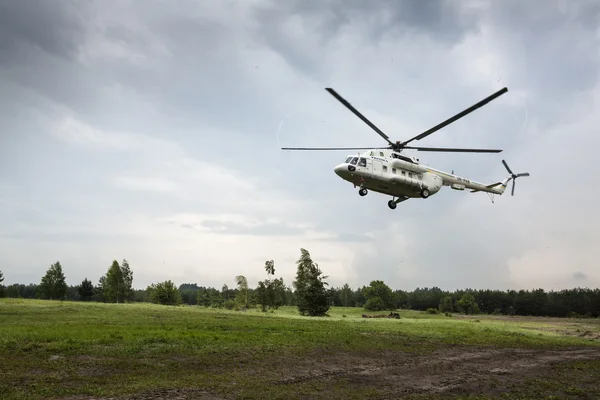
139	130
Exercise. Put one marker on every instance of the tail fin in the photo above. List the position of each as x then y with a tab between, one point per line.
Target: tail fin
502	185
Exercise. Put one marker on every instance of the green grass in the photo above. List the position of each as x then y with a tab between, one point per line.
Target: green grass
52	348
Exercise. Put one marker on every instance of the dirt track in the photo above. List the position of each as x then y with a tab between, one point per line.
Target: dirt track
453	370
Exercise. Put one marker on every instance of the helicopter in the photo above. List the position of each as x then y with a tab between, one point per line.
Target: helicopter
385	170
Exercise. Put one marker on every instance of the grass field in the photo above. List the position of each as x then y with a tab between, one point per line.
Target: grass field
73	350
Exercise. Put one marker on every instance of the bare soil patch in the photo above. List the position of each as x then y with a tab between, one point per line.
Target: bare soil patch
448	371
456	370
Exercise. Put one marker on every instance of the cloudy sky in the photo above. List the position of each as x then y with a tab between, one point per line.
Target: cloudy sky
152	132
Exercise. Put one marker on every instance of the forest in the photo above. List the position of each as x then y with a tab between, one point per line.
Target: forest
310	293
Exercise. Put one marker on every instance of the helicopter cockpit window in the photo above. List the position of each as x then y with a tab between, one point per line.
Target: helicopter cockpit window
348	160
362	162
354	160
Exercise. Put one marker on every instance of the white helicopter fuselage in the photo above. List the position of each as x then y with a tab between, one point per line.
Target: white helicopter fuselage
388	172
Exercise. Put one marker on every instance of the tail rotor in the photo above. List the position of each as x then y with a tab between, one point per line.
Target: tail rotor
513	176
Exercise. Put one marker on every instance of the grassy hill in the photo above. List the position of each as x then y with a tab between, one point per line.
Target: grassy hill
51	349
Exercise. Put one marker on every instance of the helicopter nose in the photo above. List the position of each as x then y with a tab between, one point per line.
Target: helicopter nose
340	169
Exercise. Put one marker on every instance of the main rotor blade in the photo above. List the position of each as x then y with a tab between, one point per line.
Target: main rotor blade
358	114
523	174
453	150
459	115
506	166
332	148
513	188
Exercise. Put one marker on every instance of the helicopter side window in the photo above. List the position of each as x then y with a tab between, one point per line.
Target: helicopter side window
348	160
362	162
354	160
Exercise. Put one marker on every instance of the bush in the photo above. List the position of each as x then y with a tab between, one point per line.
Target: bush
432	311
374	304
229	304
165	293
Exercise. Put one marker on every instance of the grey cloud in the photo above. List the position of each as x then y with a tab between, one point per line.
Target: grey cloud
324	20
55	28
579	275
188	75
557	47
262	229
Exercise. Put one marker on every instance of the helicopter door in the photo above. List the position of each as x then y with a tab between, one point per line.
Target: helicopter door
376	170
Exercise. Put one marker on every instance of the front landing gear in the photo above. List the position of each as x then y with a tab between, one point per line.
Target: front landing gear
362	192
393	203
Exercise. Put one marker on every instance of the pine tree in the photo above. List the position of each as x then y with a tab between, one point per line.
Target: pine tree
312	297
114	282
86	290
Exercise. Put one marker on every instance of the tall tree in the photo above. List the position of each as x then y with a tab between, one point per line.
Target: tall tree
86	290
53	285
113	283
2	294
270	292
127	289
117	285
346	295
242	295
312	297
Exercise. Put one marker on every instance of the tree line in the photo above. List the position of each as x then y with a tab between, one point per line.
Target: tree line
309	293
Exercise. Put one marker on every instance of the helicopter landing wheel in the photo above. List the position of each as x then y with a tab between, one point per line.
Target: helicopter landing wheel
363	192
424	193
392	204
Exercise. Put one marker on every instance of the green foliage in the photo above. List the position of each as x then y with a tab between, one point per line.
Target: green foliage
165	293
432	311
379	296
189	293
270	292
311	296
53	285
2	293
467	304
446	305
86	290
346	295
242	295
45	344
117	283
126	290
229	304
374	304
